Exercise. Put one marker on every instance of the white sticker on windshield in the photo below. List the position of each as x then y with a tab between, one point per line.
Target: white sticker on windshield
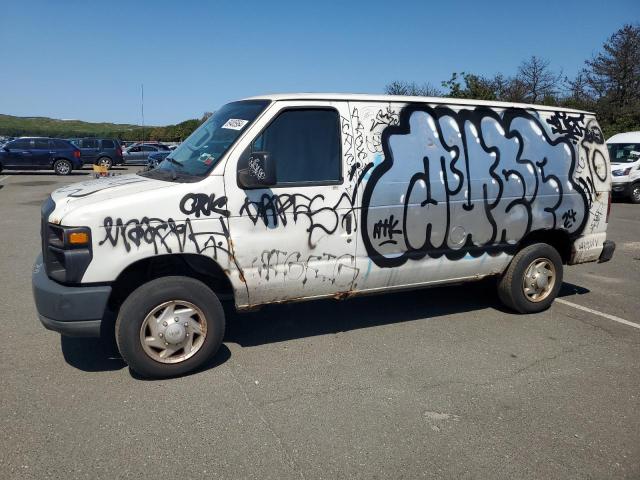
235	123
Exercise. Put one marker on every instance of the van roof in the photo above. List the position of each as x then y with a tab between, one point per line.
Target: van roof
410	99
627	137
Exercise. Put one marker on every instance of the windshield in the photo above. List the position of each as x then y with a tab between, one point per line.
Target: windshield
199	153
624	152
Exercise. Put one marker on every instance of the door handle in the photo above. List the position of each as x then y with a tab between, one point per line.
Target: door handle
348	223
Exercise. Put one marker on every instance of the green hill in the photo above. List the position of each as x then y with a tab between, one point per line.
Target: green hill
50	127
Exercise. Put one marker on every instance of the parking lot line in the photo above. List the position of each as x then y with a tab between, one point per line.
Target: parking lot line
596	312
3	178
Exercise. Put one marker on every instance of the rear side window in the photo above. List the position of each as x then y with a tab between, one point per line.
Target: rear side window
108	144
147	148
305	145
89	143
60	144
20	144
41	144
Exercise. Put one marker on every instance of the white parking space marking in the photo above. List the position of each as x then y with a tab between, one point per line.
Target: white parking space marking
601	314
4	178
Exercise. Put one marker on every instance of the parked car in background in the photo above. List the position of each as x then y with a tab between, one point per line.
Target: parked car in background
139	152
40	153
156	158
624	151
106	152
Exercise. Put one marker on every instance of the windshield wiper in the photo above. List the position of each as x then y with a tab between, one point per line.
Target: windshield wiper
175	162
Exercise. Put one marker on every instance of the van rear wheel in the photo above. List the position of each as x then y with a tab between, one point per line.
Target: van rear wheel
169	326
532	280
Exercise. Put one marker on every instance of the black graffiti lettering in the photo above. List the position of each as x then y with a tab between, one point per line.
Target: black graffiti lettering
202	204
384	117
275	210
386	229
588	188
570	126
163	233
512	189
569	218
277	264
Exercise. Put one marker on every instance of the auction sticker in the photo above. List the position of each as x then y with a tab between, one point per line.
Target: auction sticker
235	123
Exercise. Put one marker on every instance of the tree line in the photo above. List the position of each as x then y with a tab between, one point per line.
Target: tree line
607	84
12	126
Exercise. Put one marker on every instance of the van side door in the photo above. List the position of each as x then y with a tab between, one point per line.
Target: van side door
295	239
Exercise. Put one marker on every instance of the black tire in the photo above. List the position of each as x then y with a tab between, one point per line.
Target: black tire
105	162
142	302
634	193
62	167
511	284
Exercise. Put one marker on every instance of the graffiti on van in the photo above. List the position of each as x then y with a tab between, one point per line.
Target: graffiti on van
274	210
203	204
521	179
272	265
572	127
165	235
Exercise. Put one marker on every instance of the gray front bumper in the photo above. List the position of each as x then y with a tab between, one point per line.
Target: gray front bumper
72	311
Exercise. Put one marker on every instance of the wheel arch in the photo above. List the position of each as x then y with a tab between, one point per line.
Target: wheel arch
558	239
55	159
192	265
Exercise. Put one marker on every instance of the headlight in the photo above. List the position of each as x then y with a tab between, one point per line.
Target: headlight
66	251
621	172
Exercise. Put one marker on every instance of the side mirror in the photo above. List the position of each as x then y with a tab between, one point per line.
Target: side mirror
6	149
256	170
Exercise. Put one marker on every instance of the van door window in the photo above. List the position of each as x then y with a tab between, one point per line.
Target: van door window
305	145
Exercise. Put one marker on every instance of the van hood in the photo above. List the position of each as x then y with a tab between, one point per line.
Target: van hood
99	190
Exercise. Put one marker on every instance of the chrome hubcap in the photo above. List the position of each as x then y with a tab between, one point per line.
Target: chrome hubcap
636	193
539	279
63	167
105	163
173	331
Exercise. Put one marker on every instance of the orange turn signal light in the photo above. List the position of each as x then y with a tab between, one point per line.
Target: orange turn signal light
78	238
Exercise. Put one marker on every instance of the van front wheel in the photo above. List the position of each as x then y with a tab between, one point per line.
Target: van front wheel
532	280
169	326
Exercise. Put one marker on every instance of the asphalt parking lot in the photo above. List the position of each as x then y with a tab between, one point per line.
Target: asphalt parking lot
440	383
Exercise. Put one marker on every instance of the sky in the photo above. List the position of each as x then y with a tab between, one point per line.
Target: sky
87	60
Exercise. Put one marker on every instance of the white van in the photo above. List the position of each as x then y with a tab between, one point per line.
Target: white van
624	151
283	198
